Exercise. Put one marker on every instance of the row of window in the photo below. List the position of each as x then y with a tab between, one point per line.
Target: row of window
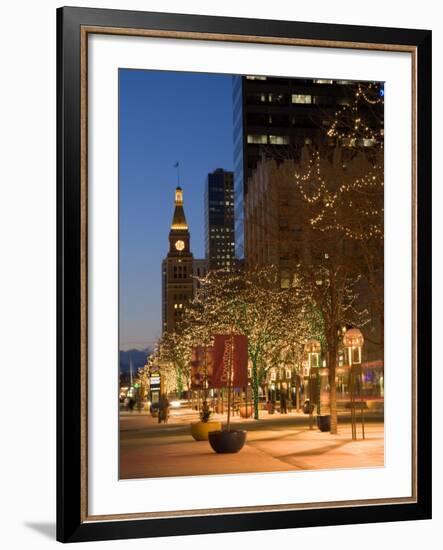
264	139
180	272
222	230
319	99
282	120
222	237
217	209
227	188
296	99
217	245
221	203
224	263
315	81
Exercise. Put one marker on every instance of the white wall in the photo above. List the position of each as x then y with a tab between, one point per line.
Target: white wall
27	271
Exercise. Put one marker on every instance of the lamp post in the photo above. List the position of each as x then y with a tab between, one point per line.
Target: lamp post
353	342
312	349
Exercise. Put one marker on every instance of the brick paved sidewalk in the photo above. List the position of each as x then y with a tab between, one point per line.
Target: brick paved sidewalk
173	452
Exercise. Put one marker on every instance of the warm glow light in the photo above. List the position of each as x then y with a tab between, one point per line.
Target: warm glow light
312	346
353	338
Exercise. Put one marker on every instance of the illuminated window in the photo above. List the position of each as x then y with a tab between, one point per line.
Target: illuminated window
301	98
277	98
356	357
323	81
279	140
257	138
368	142
256	78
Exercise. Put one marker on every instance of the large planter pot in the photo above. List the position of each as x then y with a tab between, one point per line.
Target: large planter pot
324	422
246	410
224	441
200	430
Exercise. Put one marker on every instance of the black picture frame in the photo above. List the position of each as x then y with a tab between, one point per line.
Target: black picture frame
71	525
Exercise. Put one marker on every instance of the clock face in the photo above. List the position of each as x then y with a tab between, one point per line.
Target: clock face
179	245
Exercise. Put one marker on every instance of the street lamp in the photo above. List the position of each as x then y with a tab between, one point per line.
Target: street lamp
312	349
353	342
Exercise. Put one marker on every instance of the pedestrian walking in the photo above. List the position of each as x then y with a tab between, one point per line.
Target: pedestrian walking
283	403
163	409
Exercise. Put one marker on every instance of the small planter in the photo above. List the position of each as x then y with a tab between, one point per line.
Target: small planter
324	422
246	410
224	441
200	430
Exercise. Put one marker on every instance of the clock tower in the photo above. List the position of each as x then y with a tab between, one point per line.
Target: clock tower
177	268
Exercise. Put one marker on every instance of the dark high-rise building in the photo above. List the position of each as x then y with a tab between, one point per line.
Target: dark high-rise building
219	219
273	118
177	269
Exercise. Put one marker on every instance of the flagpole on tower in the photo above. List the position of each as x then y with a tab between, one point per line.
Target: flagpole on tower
177	165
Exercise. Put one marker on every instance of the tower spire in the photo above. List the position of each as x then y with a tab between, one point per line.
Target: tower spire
179	219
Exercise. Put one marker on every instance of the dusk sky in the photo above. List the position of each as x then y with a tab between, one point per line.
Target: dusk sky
164	117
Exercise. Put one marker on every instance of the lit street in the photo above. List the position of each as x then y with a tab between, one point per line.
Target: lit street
274	443
272	293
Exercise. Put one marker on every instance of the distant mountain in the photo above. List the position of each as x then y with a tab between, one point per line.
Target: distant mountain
138	359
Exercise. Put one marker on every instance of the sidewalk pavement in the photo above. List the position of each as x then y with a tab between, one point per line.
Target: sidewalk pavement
173	452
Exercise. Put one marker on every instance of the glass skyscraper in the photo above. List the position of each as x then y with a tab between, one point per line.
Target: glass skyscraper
219	220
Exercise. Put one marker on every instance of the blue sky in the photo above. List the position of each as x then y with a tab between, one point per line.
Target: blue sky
164	117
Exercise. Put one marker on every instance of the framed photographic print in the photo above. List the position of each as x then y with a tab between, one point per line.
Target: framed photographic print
244	274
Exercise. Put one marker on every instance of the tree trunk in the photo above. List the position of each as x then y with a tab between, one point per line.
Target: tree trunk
179	382
255	393
297	393
332	361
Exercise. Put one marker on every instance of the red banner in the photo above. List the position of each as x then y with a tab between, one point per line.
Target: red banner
201	367
230	354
